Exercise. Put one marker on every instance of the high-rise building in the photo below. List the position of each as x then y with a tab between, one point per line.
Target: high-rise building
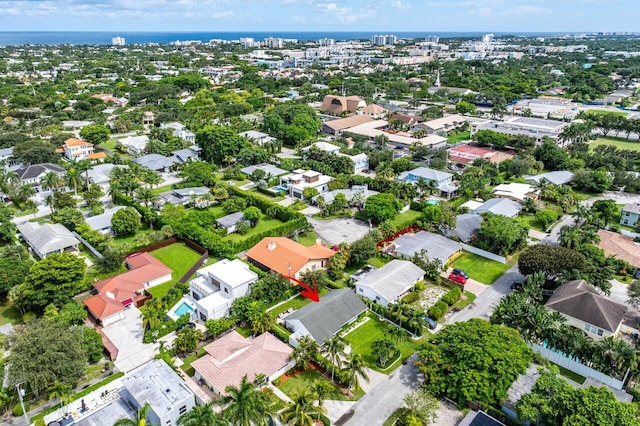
487	38
118	41
273	43
326	42
432	39
384	40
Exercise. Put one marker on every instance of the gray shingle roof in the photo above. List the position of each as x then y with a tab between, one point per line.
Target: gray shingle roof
503	206
103	221
229	220
269	169
47	238
36	170
156	161
559	177
393	279
437	246
581	300
326	317
466	225
426	173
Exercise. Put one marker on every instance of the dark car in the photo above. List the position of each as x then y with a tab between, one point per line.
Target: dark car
458	278
516	285
460	272
430	323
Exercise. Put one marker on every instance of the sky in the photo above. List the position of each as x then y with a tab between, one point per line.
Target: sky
321	15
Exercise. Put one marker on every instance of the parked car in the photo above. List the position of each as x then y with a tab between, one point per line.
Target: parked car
430	323
516	285
457	278
460	272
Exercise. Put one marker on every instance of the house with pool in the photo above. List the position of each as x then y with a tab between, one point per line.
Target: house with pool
214	289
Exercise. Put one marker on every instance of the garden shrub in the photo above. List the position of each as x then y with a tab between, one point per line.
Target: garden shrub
411	297
452	296
421	286
438	310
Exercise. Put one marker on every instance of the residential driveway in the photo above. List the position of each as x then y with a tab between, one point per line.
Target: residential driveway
336	231
310	211
127	336
619	291
448	414
484	304
377	405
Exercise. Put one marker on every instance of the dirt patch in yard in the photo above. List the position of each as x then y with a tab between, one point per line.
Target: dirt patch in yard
430	296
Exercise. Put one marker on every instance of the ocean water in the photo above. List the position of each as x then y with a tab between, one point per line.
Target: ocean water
96	38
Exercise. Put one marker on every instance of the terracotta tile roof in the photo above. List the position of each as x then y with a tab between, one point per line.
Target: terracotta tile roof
102	306
97	156
280	253
76	142
263	355
620	246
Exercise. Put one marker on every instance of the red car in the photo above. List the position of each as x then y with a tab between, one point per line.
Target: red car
458	278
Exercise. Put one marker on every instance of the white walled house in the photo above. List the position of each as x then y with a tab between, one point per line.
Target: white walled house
76	149
296	182
389	283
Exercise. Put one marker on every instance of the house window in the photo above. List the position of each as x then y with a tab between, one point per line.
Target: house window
361	290
226	290
183	409
600	332
377	297
313	268
587	327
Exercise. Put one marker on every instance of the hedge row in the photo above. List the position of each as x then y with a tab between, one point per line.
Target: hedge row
385	312
452	296
268	191
438	310
149	215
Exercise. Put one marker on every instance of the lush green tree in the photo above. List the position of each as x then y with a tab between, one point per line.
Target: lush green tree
502	235
43	352
8	229
552	261
187	340
633	291
362	250
36	152
384	350
473	361
302	411
53	279
60	391
491	138
199	173
554	402
141	417
14	266
70	217
202	415
381	207
95	133
464	107
253	215
422	405
355	369
304	352
546	217
605	210
219	143
125	221
334	351
245	405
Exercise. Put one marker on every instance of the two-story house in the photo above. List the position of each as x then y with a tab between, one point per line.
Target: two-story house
34	174
630	214
180	131
295	183
77	149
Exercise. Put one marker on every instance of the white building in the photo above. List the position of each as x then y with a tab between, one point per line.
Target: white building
118	41
180	131
536	128
135	144
76	149
274	42
296	182
384	40
389	283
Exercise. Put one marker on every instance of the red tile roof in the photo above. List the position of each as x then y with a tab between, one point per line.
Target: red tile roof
620	246
76	142
280	253
102	306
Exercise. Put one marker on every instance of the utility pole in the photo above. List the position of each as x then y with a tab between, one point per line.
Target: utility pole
20	395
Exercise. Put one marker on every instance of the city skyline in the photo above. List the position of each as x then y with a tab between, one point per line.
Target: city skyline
320	15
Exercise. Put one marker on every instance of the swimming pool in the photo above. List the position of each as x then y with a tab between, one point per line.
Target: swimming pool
183	309
432	202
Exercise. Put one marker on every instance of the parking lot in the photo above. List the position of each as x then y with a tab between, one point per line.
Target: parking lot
336	231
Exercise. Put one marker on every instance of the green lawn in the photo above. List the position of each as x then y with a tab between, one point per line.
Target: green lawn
362	338
298	384
403	218
295	303
571	375
179	258
377	261
160	189
128	239
462	136
9	314
531	222
110	144
605	112
481	269
620	143
308	238
263	225
186	367
466	299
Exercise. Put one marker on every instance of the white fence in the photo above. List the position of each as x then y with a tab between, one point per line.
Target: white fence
484	253
576	366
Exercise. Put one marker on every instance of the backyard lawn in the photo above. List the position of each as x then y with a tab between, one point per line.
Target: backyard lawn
186	367
362	338
531	222
110	144
308	238
303	381
403	218
481	269
295	303
178	257
460	137
265	224
128	239
620	143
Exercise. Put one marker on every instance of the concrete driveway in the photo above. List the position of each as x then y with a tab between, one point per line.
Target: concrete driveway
336	231
127	335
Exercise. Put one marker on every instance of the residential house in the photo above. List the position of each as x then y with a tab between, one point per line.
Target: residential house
374	111
443	180
148	118
355	194
467	227
116	293
269	170
48	238
559	177
156	162
287	257
337	105
399	140
408	119
630	214
620	246
479	418
389	283
441	126
586	309
337	127
100	174
180	131
187	155
102	222
295	183
324	319
214	289
75	125
436	246
232	357
34	174
324	146
515	191
134	145
76	149
184	196
258	138
230	221
360	161
503	206
467	153
9	161
451	90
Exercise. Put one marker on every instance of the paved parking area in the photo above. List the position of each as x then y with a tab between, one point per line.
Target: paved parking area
336	231
127	336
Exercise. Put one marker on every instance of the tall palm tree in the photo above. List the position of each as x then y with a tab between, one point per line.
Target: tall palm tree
61	391
151	178
83	166
146	196
150	318
355	369
302	411
334	350
202	415
245	405
141	417
74	179
52	181
304	352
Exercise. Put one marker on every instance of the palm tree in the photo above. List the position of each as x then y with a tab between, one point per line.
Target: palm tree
74	179
246	406
141	417
52	181
262	323
384	350
355	367
581	212
385	172
83	166
187	340
146	196
302	411
334	350
61	391
201	415
397	334
321	390
150	318
151	178
303	354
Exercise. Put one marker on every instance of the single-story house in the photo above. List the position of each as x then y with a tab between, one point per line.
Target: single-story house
258	138
33	174
374	111
438	176
135	144
186	155
287	257
503	206
467	227
324	319
182	196
436	246
620	246
559	177
324	146
100	174
389	283
515	191
444	124
229	222
47	239
269	169
116	293
231	357
630	214
156	162
586	309
102	222
353	194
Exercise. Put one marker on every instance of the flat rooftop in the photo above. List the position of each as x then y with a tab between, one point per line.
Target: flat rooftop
109	414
